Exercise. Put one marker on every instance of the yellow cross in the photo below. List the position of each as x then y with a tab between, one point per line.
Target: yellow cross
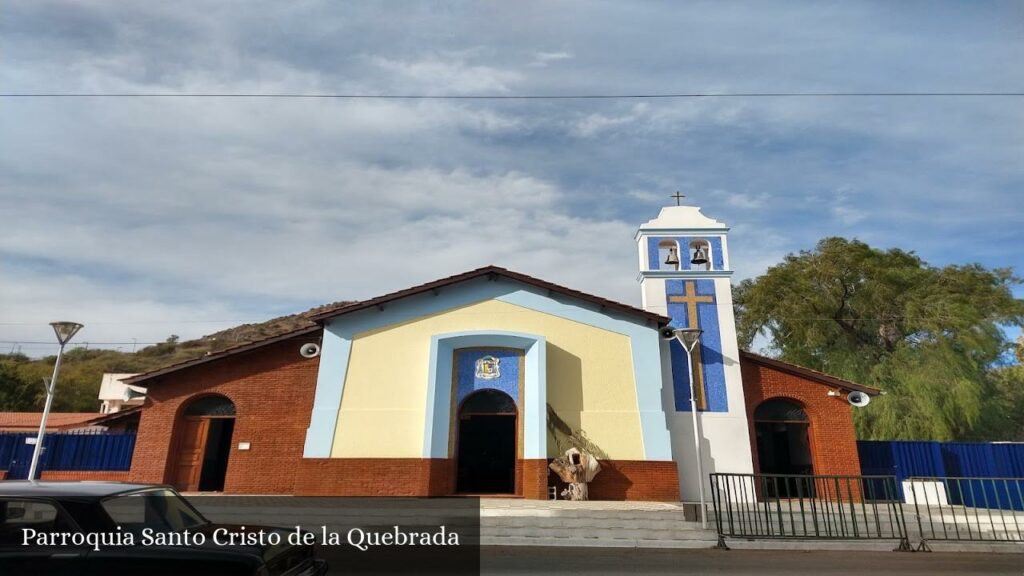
691	299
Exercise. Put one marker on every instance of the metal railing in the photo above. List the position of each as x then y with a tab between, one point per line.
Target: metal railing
980	509
754	506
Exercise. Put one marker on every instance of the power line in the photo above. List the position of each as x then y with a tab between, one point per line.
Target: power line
84	343
157	322
638	96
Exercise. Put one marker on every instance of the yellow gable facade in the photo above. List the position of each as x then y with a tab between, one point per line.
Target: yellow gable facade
590	381
472	384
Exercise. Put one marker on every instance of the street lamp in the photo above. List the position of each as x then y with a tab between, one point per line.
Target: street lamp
65	331
689	337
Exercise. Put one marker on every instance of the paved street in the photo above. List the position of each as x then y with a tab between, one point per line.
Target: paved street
590	561
523	560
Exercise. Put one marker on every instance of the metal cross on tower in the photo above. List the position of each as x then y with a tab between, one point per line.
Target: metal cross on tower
679	198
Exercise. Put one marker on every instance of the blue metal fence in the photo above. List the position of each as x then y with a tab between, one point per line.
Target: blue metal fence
64	451
989	475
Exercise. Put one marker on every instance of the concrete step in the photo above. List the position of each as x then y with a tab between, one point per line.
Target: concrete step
334	511
623	519
545	522
577	542
599	533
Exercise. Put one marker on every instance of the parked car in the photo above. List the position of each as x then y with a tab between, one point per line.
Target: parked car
119	528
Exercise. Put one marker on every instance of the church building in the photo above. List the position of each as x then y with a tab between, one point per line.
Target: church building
471	384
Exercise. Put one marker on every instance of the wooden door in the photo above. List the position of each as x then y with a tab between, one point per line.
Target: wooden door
189	458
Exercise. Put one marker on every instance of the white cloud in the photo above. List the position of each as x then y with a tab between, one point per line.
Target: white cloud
439	75
742	200
542	59
211	209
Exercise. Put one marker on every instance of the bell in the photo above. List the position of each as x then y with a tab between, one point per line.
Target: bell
673	258
700	256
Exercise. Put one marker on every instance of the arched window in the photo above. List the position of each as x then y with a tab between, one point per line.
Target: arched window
779	410
210	406
699	255
489	402
668	255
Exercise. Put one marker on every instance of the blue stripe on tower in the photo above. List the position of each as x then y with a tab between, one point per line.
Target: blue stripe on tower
680	376
711	347
654	260
711	350
717	256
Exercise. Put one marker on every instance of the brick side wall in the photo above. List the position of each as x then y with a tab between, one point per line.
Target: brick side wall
832	437
272	388
108	475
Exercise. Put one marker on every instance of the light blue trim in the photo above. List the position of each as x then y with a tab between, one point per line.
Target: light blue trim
693	274
645	345
646	348
574	312
334	359
676	231
337	343
330	383
437	428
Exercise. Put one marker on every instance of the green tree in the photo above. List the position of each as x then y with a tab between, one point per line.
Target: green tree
17	394
928	336
1009	401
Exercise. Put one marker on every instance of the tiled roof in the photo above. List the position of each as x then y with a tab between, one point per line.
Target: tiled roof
55	421
809	374
220	354
487	271
491	272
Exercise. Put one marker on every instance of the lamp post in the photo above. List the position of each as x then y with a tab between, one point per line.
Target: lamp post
65	331
689	337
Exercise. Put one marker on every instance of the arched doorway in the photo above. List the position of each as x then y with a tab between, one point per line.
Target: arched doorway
487	443
204	443
783	445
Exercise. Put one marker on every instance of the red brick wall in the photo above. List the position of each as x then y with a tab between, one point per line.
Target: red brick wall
832	437
618	480
534	479
272	388
648	480
109	475
374	477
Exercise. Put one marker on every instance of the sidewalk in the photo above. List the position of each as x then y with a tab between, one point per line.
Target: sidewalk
545	523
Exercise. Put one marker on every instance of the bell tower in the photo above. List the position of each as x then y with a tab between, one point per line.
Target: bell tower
685	275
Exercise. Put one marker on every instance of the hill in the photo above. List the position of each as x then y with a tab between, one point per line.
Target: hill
82	369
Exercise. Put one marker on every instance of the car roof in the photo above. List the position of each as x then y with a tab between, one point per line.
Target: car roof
85	490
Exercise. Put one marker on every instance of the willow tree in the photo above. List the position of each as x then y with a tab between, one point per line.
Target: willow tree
928	336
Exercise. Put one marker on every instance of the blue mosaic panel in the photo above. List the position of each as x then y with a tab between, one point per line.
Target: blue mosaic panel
717	257
507	380
712	364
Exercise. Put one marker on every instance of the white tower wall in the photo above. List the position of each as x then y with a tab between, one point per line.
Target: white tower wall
722	422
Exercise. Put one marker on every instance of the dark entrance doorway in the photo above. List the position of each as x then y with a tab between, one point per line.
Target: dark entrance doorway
204	444
784	447
487	444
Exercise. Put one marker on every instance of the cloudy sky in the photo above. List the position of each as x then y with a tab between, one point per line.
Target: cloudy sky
143	217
